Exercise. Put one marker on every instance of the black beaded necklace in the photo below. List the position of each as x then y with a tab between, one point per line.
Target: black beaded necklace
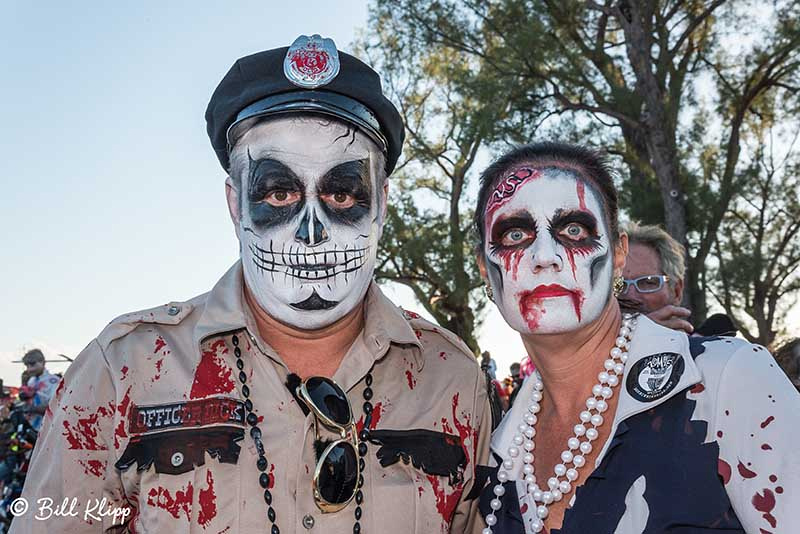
262	463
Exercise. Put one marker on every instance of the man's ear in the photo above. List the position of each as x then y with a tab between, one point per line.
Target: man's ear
232	194
620	254
481	260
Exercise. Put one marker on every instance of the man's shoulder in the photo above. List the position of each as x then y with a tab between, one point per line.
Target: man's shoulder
439	343
174	314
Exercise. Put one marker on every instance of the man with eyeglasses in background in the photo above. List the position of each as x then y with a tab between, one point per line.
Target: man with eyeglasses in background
654	276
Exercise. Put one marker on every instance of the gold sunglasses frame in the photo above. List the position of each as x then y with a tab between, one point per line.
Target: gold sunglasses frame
349	427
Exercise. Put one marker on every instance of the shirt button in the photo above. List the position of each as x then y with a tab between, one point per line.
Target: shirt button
177	459
308	521
173	310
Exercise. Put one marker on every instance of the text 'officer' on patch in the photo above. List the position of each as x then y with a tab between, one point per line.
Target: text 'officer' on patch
654	376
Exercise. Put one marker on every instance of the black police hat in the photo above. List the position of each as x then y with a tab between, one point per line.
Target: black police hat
310	76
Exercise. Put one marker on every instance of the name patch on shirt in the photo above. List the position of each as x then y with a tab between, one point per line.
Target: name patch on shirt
654	376
193	413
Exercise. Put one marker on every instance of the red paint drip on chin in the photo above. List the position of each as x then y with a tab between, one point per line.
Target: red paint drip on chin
531	300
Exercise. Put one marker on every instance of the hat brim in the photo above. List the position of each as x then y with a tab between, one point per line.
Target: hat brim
318	102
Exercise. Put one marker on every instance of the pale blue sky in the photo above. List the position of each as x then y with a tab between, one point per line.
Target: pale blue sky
112	197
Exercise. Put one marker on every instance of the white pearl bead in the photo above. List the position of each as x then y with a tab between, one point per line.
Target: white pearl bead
534	408
518	440
491	520
625	331
613	381
530	419
567	456
487	530
528	458
609	364
619	368
513	451
527	469
508	465
495	504
499	490
586	447
529	446
529	432
616	352
541	511
537	525
560	470
591	402
573	443
623	358
620	342
606	392
536	396
564	486
603	377
522	427
532	487
547	497
538	385
502	476
596	390
536	494
586	416
579	461
557	494
601	406
552	483
579	430
530	478
572	474
592	434
597	419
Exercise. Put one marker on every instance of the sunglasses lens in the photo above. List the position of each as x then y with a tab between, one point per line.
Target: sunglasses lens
339	474
329	399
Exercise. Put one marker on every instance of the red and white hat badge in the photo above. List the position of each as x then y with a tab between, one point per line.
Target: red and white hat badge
311	61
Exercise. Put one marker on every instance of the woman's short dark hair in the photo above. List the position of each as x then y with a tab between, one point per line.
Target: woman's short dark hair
589	165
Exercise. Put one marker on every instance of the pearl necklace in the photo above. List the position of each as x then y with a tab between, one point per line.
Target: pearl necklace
561	484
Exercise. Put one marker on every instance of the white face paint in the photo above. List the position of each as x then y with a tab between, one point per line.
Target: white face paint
311	216
548	252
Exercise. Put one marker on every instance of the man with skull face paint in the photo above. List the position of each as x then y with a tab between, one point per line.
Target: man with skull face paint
682	434
294	396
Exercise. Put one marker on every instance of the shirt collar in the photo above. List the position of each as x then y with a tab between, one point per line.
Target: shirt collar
384	323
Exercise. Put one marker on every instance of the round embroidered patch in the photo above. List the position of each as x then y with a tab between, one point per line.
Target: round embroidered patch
654	376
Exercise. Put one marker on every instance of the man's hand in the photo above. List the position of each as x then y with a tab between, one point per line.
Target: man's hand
673	317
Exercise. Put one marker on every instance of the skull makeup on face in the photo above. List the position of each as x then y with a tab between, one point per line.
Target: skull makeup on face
547	249
311	213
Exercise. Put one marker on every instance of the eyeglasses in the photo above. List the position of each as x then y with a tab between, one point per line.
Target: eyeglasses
646	284
338	471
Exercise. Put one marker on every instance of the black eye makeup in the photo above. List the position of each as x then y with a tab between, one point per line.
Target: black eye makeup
345	191
274	193
517	230
575	229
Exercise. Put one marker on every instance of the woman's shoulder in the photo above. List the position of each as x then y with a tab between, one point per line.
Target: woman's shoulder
737	360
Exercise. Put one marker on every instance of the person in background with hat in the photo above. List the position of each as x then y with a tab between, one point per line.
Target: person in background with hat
41	385
294	397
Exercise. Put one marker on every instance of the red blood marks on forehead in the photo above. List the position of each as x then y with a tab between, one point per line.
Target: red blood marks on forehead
581	190
508	185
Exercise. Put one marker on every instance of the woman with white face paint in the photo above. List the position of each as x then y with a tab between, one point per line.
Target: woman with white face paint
626	427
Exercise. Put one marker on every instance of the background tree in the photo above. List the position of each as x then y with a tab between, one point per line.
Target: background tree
427	242
669	87
757	248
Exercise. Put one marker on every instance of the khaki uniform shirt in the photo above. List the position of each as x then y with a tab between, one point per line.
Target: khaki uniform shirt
150	418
